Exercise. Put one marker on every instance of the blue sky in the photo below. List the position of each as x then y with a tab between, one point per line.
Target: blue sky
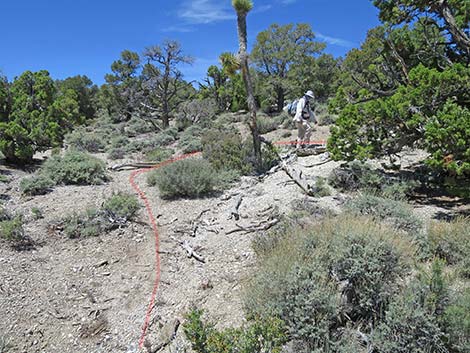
72	37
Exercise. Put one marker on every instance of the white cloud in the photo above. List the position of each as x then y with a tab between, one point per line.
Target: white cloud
262	8
335	41
180	29
288	2
205	11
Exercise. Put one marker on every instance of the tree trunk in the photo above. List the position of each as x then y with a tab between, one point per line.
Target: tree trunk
460	37
243	56
280	98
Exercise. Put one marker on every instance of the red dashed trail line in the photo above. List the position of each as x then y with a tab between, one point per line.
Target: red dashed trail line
142	195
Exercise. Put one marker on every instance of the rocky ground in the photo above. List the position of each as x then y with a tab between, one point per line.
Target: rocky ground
91	295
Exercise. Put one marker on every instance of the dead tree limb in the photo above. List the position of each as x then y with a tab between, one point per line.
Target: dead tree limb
256	228
189	250
133	165
317	164
234	211
167	335
297	178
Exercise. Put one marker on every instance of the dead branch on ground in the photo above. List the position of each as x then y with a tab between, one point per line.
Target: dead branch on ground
254	228
189	249
234	211
296	176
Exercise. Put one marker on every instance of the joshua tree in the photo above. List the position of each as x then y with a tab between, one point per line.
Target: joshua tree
242	7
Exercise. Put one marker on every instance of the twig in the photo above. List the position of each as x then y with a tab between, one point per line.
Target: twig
191	252
254	228
171	222
317	164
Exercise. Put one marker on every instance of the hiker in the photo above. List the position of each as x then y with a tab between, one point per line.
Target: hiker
302	118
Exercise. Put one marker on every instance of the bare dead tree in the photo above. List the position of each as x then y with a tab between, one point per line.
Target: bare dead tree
162	80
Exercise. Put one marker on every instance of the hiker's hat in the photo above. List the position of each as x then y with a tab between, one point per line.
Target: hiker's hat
309	94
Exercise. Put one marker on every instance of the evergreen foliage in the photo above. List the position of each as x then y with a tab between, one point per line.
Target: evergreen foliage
34	115
408	86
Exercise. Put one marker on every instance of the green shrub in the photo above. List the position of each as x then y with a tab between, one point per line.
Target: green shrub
321	188
398	189
4	179
185	178
196	111
116	153
408	328
266	124
116	211
399	214
158	154
118	141
138	126
74	168
37	213
354	176
191	145
287	121
413	321
90	224
457	322
121	205
322	277
56	151
36	185
270	156
386	125
137	146
357	175
261	336
323	116
226	177
163	138
159	140
86	141
451	242
311	306
12	229
226	151
190	139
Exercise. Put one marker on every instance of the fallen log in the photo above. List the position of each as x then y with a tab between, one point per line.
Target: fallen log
308	151
133	165
256	228
234	211
297	178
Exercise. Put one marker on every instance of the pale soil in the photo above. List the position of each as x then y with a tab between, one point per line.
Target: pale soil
91	295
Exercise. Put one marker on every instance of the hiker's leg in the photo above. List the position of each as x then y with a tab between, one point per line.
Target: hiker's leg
308	133
300	133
